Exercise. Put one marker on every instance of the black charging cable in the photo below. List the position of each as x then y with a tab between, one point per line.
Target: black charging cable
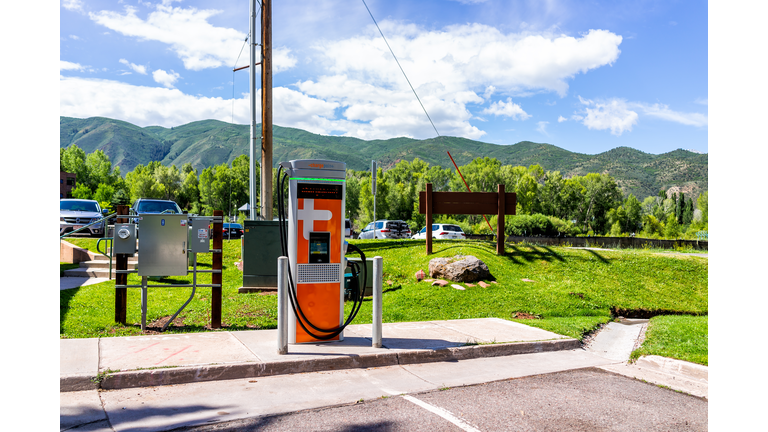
298	312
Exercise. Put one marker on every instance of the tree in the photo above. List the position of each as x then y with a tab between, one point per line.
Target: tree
634	214
702	204
688	212
81	191
671	228
104	194
600	193
73	161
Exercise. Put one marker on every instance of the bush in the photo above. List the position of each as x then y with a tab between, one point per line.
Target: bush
530	225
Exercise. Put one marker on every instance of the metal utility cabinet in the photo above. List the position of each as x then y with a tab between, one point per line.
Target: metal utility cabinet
163	245
261	249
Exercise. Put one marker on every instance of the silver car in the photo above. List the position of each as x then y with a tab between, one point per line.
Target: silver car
77	213
386	229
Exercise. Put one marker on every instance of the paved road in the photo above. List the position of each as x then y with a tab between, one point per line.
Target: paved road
579	400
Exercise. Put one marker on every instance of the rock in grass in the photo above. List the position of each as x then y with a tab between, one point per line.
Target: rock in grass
420	275
459	269
483	284
528	280
458	287
440	282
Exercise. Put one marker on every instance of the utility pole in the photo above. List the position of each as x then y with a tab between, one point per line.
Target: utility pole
266	109
252	84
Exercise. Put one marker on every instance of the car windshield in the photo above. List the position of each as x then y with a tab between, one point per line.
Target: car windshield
452	228
156	207
85	206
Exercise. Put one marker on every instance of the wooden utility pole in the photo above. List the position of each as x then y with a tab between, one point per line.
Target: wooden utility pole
266	109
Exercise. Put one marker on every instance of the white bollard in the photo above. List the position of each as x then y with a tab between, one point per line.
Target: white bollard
378	269
282	305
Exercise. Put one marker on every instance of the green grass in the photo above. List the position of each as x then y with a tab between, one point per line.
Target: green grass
681	337
66	266
573	290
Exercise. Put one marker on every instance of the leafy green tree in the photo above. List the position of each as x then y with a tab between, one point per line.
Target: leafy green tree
652	227
634	214
671	227
189	194
600	194
688	212
81	191
100	170
73	161
702	204
481	174
104	194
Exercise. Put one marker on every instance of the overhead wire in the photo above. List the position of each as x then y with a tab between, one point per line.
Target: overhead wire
401	68
235	65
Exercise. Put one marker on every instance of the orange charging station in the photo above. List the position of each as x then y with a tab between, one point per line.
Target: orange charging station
316	209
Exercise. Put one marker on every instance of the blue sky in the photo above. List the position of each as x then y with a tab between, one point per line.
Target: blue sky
587	76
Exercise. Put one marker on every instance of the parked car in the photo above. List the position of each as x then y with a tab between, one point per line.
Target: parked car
147	205
347	228
153	206
77	213
442	231
232	230
385	229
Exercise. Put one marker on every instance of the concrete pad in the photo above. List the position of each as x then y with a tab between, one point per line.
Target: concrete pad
617	339
166	407
417	335
78	363
487	330
134	352
82	410
678	375
482	370
76	282
263	344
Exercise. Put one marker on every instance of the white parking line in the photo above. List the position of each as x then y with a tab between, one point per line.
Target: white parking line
443	413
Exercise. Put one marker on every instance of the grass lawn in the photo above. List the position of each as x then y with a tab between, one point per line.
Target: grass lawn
573	290
681	337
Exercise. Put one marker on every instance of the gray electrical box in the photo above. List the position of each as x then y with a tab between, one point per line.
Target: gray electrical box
125	239
163	248
199	236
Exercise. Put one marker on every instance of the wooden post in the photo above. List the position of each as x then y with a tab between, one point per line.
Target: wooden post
500	236
428	233
216	278
266	110
121	294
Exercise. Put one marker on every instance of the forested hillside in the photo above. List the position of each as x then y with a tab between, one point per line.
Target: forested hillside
207	143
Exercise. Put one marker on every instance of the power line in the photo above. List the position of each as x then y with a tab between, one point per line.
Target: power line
401	68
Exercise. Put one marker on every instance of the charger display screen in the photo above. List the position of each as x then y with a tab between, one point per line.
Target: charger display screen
319	247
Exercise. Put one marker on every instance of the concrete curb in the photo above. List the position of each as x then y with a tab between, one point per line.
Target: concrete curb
214	372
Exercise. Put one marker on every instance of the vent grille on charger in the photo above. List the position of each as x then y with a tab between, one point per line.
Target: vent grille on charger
318	273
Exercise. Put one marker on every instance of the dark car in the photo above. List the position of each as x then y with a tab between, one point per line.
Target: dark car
232	230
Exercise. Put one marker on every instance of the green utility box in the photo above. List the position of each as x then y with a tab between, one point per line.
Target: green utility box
260	251
368	279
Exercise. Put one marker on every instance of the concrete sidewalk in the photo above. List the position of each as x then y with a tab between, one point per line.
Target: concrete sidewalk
139	361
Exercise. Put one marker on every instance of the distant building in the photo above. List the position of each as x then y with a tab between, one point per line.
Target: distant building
66	184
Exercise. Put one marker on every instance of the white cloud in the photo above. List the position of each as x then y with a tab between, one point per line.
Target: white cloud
147	106
471	56
542	127
198	44
65	65
507	109
619	115
167	79
136	68
702	101
561	119
612	114
663	112
74	37
73	5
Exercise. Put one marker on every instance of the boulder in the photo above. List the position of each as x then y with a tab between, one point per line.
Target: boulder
459	269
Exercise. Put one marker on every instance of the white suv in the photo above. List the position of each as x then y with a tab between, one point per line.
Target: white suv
385	229
442	231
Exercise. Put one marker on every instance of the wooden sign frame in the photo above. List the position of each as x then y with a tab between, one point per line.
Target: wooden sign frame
499	203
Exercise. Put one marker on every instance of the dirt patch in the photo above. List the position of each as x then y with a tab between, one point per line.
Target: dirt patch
524	315
649	313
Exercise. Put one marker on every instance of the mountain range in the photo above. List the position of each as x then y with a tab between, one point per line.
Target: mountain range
211	142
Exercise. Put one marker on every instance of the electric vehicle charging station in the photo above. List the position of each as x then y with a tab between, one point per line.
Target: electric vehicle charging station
316	249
